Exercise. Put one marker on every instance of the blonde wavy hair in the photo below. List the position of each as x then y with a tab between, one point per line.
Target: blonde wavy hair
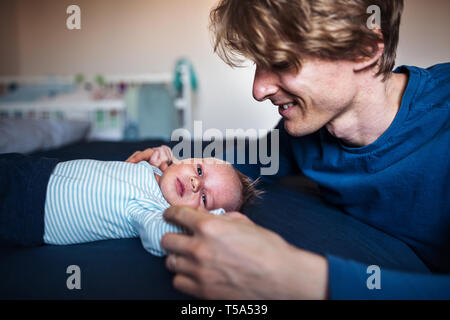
278	34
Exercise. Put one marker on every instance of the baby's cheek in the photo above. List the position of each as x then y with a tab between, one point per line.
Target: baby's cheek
182	202
168	194
174	200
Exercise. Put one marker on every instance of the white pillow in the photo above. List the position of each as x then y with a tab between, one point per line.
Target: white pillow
29	135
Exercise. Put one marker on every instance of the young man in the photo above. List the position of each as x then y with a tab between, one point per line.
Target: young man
375	141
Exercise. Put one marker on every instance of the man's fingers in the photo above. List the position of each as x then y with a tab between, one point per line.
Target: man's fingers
184	216
131	158
238	215
186	284
164	158
139	156
155	159
168	153
163	166
177	243
181	264
160	157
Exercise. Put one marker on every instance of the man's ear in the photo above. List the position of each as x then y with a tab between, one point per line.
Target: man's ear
365	62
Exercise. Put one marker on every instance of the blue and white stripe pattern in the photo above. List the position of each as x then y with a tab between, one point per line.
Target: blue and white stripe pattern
90	200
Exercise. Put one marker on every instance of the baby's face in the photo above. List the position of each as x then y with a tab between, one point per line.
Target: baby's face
209	183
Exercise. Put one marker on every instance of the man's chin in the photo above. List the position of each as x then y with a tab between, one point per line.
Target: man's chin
297	129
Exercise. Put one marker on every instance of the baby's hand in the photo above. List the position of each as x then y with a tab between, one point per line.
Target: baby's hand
160	157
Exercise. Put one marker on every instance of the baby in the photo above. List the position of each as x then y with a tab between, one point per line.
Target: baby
89	200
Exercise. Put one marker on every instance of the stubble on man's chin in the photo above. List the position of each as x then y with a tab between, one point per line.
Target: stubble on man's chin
298	129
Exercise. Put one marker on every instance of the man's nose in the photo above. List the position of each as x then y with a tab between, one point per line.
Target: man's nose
265	84
195	183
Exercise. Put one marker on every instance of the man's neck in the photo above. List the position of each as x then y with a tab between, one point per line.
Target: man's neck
371	112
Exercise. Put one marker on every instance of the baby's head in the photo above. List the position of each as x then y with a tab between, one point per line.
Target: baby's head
210	183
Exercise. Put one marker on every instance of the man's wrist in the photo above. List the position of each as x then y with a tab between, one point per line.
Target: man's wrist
310	272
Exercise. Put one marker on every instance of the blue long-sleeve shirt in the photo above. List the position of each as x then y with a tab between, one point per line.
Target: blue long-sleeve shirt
399	184
351	280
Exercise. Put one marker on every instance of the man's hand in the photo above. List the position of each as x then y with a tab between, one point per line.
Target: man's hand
229	257
160	157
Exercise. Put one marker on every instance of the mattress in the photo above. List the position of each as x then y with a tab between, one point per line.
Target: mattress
122	269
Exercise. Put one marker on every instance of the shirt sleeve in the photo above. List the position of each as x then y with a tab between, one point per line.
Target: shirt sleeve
150	225
352	280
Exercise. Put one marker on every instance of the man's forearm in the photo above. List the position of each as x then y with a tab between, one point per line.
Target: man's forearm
351	280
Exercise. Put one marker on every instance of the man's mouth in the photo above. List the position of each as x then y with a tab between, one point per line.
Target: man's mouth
180	187
285	108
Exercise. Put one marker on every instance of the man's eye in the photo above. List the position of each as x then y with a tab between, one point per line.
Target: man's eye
204	199
281	66
199	171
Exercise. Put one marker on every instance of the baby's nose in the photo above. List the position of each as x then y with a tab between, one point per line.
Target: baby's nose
195	183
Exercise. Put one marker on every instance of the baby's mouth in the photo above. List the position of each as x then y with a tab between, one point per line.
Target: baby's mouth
180	187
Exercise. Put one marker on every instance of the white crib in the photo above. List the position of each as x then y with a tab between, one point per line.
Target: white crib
108	114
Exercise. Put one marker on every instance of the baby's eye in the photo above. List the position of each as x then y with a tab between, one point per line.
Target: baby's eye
204	199
199	171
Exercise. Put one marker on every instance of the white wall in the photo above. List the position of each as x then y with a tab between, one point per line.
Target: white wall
424	33
139	36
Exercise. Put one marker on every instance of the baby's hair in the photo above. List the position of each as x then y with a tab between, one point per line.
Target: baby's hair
249	191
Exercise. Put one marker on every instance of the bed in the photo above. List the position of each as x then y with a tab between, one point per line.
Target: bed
122	269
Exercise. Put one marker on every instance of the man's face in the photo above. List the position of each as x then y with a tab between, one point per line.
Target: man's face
209	183
314	96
